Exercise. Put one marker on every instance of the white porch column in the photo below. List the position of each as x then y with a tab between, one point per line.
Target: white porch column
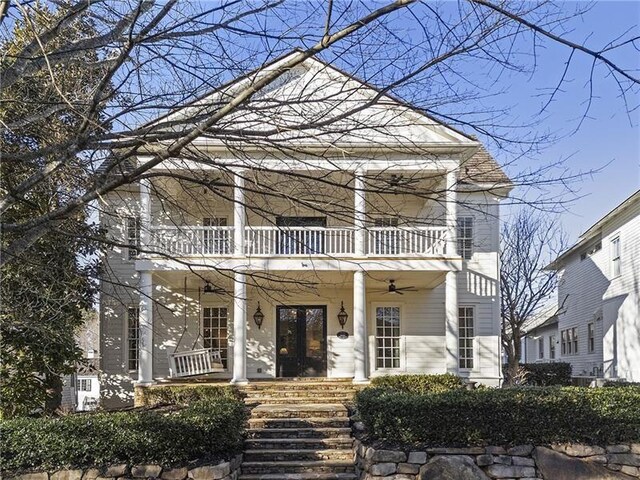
239	329
451	319
451	200
451	281
359	207
359	328
238	214
145	325
145	216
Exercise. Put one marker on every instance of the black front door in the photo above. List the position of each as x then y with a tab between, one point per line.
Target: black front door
301	341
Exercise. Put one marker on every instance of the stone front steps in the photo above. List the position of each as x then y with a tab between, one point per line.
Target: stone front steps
299	431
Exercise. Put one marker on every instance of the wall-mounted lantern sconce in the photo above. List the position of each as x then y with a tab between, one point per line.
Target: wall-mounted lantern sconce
342	315
258	317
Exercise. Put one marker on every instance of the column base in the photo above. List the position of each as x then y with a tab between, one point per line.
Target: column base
240	382
361	381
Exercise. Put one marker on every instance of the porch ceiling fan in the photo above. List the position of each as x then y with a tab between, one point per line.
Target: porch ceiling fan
395	290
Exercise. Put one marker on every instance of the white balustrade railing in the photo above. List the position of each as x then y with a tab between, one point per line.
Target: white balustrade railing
293	241
188	240
299	241
394	241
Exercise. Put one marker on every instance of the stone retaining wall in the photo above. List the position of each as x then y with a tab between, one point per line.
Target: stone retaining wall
228	470
555	462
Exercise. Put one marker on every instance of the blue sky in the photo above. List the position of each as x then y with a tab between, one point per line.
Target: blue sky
609	138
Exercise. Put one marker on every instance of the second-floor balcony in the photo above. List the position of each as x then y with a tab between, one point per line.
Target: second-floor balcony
279	241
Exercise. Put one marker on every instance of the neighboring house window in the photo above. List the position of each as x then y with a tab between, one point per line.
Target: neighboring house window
84	385
465	237
387	242
615	257
387	337
215	240
563	342
569	339
133	236
465	337
552	347
133	337
591	337
214	323
541	348
574	332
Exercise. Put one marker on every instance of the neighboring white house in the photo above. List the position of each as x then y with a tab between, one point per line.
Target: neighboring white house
540	341
203	267
599	283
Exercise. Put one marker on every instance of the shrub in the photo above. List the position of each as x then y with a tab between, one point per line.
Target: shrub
419	383
537	415
620	383
546	374
207	430
186	394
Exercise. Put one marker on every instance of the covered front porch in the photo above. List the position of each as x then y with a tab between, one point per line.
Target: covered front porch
297	324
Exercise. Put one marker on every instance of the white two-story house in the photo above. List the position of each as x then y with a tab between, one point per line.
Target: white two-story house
598	328
366	245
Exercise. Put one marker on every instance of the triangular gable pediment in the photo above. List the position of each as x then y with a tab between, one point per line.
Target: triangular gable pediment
315	104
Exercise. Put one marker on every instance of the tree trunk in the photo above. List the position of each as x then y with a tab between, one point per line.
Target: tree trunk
53	385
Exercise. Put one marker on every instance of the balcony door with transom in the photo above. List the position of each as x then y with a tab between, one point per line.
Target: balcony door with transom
301	235
301	346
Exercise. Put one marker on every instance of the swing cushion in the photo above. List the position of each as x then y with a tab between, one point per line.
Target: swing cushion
195	362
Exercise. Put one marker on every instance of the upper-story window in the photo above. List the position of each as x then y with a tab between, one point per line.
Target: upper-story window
387	240
569	341
465	237
541	348
616	267
591	337
133	236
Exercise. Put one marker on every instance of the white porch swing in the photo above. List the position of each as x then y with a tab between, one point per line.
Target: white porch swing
195	361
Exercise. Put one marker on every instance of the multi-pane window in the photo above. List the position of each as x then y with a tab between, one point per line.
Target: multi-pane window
615	257
552	347
133	236
133	338
465	237
569	339
591	337
83	385
215	240
214	324
466	337
388	337
541	348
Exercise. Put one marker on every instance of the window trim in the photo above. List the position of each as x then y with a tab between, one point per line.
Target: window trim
474	346
460	248
132	253
127	350
401	339
591	337
229	327
616	240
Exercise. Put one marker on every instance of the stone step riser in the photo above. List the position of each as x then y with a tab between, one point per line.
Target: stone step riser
271	415
268	433
301	391
296	455
292	469
301	388
289	401
304	444
295	423
300	398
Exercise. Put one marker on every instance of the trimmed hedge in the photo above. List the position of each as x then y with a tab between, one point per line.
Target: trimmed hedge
186	394
419	383
530	415
206	430
548	374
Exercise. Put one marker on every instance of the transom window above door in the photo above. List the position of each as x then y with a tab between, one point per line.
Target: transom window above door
388	337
